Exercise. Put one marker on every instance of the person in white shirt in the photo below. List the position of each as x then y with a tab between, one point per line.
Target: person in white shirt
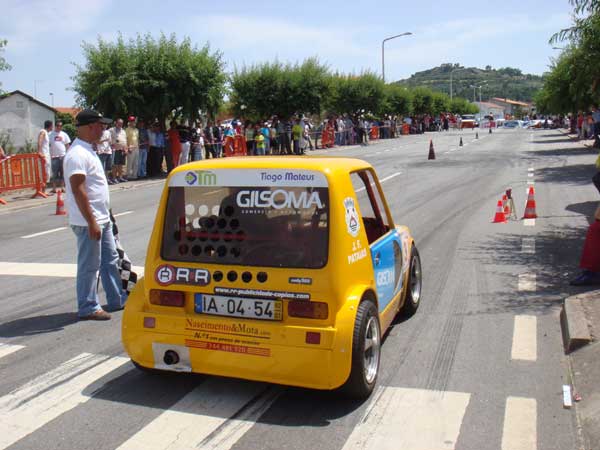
59	143
89	217
43	145
105	153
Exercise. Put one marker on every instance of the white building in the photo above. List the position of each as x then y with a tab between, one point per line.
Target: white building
22	117
488	108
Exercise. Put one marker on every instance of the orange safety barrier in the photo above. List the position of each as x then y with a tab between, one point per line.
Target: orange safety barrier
405	129
374	134
23	172
235	146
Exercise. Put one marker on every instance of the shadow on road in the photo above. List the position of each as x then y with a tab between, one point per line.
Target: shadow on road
579	174
37	325
554	263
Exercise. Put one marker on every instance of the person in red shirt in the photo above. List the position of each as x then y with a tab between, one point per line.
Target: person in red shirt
590	256
174	146
580	125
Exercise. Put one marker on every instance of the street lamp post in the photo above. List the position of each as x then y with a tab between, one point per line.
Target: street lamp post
383	51
35	83
52	98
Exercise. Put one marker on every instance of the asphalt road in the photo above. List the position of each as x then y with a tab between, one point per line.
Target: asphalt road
480	366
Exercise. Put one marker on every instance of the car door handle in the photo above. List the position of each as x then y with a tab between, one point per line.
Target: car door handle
377	258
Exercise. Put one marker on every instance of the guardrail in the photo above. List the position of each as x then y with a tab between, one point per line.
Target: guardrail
23	172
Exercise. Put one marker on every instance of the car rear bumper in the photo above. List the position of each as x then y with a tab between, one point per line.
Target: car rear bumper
248	349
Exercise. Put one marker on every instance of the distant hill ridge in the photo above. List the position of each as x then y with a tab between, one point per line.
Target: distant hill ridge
506	82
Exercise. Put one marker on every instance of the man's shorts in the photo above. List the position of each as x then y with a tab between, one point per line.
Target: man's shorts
119	158
57	169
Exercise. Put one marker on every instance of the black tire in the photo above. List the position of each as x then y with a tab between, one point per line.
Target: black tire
364	370
414	286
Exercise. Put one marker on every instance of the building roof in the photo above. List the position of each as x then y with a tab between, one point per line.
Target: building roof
33	99
66	110
511	102
489	105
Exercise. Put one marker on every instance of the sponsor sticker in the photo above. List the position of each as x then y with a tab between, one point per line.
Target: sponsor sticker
166	274
351	216
257	293
300	280
249	177
231	348
278	199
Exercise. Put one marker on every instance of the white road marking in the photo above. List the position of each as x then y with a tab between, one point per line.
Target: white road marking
524	345
43	399
46	269
233	430
527	282
528	244
520	424
196	416
410	419
124	213
53	230
7	349
529	222
530	174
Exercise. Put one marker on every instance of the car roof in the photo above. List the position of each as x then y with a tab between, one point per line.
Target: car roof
327	164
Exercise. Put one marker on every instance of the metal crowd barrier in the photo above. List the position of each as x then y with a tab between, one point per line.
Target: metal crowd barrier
23	171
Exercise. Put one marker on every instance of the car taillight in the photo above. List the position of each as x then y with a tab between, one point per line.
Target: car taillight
167	298
308	309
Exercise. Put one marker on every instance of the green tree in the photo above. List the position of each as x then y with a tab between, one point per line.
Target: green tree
422	100
151	78
357	94
4	66
397	101
261	90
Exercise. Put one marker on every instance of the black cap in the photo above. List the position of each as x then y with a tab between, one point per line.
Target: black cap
88	116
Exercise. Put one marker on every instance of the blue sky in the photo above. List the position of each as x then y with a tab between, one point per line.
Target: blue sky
45	36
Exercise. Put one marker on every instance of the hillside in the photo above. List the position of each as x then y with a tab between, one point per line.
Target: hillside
506	82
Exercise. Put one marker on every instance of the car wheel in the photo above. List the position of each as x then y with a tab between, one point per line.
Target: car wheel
415	284
366	350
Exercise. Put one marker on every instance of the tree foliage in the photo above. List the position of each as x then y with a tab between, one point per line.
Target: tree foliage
153	78
3	64
574	79
356	95
261	90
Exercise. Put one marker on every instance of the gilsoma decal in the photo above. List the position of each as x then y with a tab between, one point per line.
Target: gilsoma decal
278	199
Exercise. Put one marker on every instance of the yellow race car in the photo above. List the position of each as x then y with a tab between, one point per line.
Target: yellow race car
284	270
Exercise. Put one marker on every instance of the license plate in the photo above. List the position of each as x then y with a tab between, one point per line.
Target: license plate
250	308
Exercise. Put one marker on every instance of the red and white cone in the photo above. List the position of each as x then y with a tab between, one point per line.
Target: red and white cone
530	212
499	217
60	204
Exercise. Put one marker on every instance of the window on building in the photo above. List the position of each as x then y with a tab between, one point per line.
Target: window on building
20	104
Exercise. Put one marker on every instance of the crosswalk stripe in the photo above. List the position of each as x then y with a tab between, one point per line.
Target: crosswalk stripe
527	282
524	345
46	269
520	424
194	418
410	419
7	349
46	397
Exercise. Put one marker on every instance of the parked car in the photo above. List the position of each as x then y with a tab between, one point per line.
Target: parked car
513	124
468	121
283	270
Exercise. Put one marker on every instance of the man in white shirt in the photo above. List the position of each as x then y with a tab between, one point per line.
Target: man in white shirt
105	153
87	204
118	142
59	143
43	144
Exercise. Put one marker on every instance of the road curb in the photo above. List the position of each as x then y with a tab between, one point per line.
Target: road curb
574	322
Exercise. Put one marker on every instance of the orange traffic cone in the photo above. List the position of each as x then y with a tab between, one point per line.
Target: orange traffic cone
431	150
60	204
476	135
530	205
499	217
460	144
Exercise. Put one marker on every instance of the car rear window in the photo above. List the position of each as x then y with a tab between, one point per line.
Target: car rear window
272	218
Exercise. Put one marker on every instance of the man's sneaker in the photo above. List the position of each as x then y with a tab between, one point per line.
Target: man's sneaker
110	181
98	315
122	180
587	278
